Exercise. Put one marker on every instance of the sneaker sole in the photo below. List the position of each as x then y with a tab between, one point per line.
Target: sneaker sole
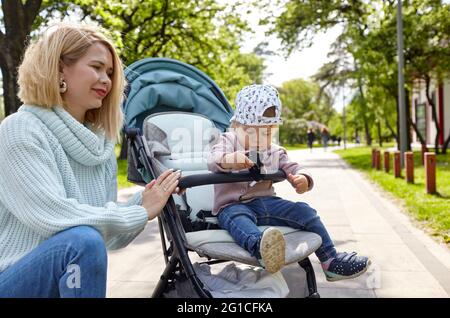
273	250
336	277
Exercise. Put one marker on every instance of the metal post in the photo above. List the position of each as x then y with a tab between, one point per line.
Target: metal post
401	84
343	117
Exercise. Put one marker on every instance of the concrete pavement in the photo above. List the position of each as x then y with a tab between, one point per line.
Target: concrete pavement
359	216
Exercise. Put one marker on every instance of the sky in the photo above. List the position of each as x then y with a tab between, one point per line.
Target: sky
300	64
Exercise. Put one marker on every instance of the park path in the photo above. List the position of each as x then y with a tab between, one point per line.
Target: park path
359	216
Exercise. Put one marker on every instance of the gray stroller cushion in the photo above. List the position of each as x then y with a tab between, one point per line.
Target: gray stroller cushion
242	281
218	244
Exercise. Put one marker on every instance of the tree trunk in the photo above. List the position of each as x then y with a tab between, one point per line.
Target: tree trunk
364	108
446	143
433	112
388	125
409	123
380	142
18	18
9	61
364	115
10	88
419	135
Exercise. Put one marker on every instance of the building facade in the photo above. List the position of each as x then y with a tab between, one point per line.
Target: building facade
421	111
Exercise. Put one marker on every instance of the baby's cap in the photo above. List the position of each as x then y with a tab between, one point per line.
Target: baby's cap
251	103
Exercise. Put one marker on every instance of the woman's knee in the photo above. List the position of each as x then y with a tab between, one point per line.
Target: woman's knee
86	240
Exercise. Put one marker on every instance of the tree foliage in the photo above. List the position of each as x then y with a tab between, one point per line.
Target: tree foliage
364	56
202	33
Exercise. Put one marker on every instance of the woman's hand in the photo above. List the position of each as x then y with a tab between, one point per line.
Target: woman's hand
299	182
158	191
236	161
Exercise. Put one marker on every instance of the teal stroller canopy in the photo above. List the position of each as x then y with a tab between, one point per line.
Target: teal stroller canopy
160	85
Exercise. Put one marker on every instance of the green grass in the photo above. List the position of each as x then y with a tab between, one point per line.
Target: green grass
432	211
122	166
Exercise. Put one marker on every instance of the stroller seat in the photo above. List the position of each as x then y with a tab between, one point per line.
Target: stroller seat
189	155
219	244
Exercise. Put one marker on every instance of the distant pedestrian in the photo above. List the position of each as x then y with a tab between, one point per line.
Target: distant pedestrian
325	138
311	137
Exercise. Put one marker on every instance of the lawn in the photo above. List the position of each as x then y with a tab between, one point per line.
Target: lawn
122	171
432	211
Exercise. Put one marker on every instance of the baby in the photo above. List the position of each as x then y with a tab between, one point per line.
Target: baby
243	206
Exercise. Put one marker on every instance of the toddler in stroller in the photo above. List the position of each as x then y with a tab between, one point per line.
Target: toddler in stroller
242	207
174	114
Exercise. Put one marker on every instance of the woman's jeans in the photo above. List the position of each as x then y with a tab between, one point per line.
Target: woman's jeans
72	263
241	221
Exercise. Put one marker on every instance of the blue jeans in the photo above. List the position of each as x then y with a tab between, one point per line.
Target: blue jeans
241	221
72	263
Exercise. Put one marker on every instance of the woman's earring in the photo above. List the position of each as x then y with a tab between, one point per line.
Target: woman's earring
62	86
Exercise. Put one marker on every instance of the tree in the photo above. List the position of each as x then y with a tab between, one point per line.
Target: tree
303	102
2	105
369	37
202	33
301	99
429	47
253	66
17	19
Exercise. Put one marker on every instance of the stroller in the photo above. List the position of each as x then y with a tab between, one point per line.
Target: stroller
174	113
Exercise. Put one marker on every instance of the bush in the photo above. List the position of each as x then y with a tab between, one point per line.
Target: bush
293	131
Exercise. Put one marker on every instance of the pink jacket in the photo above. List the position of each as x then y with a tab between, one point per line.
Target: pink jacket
273	159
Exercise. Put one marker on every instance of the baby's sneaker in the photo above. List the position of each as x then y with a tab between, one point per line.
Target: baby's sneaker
346	266
272	250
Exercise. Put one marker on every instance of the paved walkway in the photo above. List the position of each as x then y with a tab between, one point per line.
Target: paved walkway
359	217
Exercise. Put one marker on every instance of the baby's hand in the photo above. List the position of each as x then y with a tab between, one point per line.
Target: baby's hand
299	182
236	161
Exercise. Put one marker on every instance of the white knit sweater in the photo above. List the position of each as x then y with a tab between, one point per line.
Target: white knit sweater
56	173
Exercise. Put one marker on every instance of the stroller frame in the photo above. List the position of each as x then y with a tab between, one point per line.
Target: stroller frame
178	263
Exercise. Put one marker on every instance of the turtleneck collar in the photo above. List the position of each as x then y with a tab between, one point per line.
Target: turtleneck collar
80	142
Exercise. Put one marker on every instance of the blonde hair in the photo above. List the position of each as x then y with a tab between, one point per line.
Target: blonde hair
39	73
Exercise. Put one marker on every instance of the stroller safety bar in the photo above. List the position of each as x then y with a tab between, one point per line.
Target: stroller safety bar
214	178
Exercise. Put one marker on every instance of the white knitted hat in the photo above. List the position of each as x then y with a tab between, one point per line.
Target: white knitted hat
252	101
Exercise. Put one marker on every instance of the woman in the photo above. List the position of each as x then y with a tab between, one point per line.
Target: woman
58	181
